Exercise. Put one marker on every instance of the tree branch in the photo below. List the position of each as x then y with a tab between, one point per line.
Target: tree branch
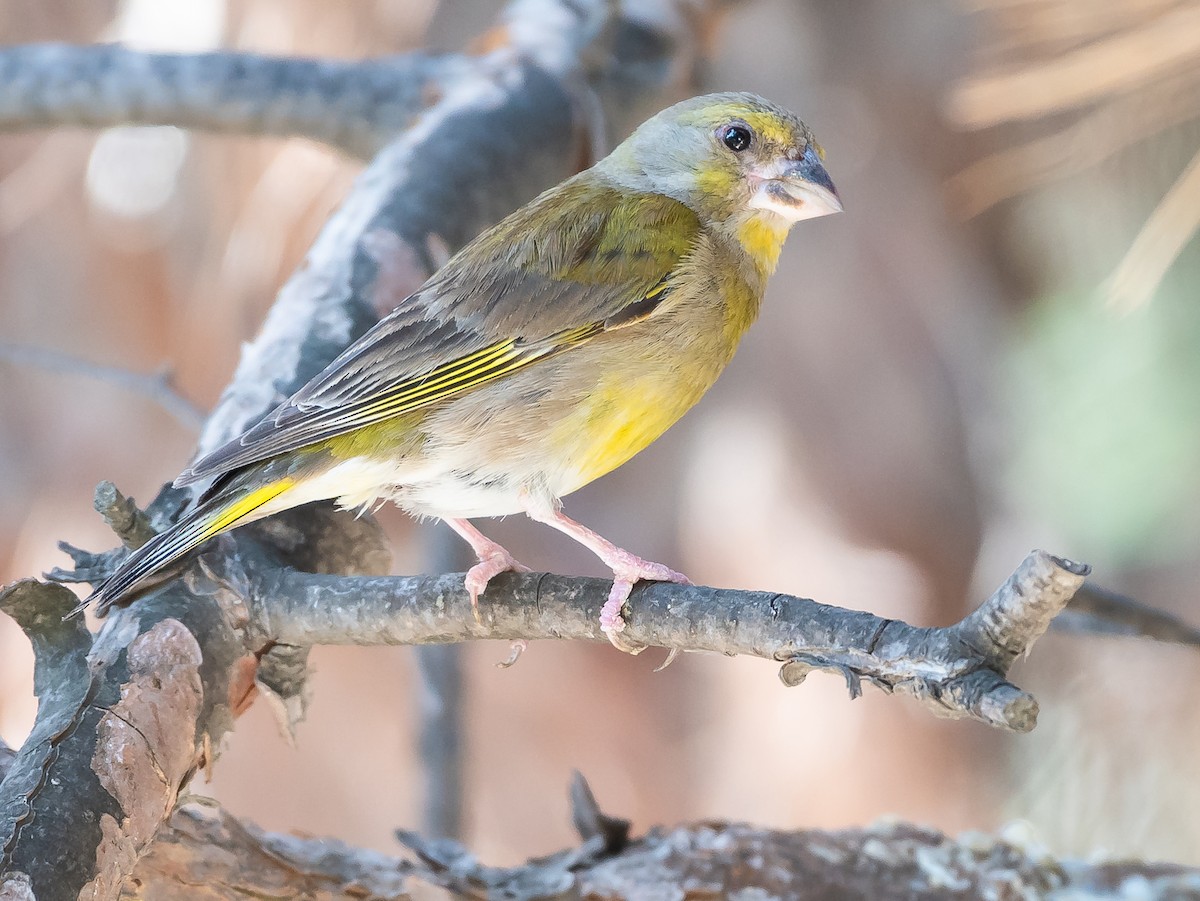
958	670
1100	611
355	106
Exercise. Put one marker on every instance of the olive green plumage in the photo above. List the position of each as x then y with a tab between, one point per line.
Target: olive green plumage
547	352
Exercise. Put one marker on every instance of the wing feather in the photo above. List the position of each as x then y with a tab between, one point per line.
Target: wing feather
553	278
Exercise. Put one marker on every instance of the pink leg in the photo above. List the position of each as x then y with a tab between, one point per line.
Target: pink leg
627	569
493	560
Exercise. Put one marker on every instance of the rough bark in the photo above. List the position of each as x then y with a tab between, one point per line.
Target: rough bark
205	854
957	670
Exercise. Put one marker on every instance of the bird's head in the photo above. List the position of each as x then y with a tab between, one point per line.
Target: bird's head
741	163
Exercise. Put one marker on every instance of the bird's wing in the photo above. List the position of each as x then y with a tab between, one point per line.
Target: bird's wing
578	261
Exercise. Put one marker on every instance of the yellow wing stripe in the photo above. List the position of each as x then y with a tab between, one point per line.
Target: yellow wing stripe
245	505
463	366
463	374
454	377
659	288
440	375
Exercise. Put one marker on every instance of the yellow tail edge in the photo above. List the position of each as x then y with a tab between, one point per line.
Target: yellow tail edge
196	527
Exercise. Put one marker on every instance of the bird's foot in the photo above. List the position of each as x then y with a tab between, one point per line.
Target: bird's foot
629	569
493	560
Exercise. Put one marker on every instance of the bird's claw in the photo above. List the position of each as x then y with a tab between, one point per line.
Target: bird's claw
515	650
495	562
626	573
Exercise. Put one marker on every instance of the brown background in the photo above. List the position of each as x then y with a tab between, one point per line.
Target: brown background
927	397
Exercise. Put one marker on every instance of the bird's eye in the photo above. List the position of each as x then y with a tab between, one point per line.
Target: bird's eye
735	137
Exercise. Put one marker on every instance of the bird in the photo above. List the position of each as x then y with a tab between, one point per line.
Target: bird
547	352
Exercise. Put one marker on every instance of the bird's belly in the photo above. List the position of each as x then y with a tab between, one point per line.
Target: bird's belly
540	436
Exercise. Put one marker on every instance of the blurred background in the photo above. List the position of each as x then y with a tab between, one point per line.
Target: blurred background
993	349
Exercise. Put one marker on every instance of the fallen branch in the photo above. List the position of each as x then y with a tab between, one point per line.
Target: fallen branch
205	854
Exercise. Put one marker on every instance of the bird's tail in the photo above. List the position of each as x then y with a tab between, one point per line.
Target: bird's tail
231	507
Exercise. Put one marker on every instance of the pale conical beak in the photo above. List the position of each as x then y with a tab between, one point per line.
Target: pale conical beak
797	189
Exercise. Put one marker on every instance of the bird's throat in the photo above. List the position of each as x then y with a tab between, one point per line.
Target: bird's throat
761	235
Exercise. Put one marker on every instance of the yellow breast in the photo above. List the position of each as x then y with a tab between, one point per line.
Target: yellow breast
654	372
622	419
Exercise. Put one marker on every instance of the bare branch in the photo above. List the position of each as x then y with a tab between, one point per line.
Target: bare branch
157	386
129	523
356	106
957	670
1100	611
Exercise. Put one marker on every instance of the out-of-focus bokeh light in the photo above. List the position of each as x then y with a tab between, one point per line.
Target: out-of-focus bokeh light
189	27
134	172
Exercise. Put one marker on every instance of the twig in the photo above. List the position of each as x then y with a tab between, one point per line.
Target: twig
1099	611
957	670
122	515
157	386
591	822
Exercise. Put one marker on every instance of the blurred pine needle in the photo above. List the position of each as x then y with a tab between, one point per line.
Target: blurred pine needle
1115	73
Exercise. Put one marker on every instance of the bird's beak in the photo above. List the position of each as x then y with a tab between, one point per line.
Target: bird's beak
796	189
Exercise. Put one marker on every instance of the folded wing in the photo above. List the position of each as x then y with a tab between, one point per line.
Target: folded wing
580	260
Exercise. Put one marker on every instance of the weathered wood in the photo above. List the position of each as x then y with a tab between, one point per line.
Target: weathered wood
205	854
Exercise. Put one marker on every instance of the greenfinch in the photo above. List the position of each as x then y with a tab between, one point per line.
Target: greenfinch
546	353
